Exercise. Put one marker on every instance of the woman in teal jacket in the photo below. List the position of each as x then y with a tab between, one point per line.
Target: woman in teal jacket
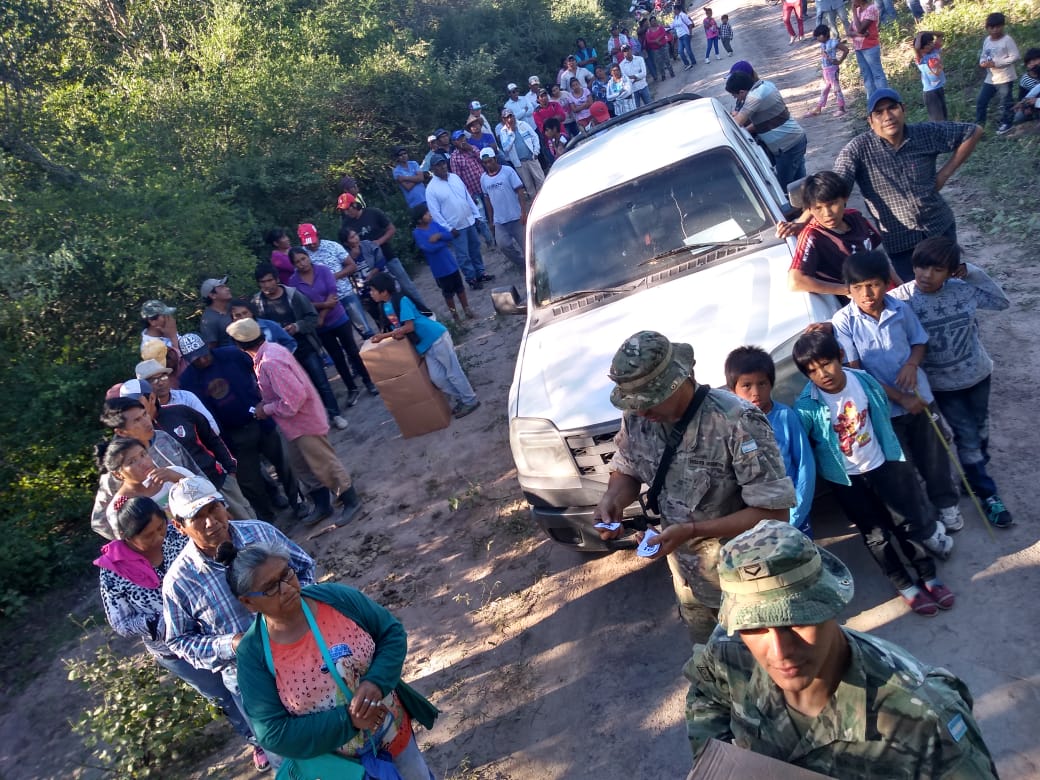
296	707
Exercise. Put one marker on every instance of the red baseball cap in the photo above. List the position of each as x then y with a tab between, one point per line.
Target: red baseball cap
308	234
346	200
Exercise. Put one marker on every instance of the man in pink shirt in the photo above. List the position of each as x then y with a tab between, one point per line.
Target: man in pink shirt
288	397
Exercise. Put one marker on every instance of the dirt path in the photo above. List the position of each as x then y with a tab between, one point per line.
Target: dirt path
551	664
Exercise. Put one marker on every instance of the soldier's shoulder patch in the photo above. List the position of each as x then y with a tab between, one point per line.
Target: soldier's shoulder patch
749	446
957	727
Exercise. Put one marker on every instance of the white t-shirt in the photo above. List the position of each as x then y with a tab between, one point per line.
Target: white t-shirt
850	419
501	189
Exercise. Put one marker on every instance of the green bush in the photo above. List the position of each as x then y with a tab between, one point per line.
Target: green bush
143	721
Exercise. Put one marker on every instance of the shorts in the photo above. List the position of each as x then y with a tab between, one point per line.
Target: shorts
451	284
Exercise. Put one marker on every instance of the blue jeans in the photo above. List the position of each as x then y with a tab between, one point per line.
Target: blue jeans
651	66
713	43
986	93
686	50
211	686
510	238
888	11
869	61
406	284
467	253
830	18
311	362
410	763
352	305
446	372
642	96
916	9
967	412
790	163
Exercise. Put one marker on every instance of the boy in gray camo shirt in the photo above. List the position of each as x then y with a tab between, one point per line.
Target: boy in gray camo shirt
945	295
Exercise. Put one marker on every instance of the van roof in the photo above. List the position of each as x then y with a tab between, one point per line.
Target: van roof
660	137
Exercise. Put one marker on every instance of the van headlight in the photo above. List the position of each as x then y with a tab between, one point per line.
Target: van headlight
543	460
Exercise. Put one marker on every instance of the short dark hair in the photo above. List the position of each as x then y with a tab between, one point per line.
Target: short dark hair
418	212
926	38
813	346
824	187
748	360
739	80
113	413
265	269
109	454
1031	54
552	123
383	282
860	267
996	19
821	29
937	252
296	250
243	303
275	234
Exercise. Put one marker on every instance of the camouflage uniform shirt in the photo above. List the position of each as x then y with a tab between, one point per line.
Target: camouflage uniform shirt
891	717
726	461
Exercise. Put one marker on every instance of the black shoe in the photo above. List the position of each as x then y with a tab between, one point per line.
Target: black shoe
351	502
301	511
372	389
475	284
352	397
486	278
279	501
322	506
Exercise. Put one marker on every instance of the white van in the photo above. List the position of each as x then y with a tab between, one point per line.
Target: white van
663	220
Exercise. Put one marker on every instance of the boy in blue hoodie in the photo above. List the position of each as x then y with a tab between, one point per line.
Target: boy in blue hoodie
845	414
751	374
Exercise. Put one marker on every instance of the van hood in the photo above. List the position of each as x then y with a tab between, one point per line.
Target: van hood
561	373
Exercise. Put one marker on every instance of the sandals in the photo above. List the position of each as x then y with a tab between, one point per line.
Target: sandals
813	112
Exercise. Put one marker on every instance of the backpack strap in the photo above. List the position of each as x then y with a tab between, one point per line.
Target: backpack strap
649	500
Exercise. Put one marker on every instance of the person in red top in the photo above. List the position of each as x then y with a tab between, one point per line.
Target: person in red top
547	108
657	47
834	232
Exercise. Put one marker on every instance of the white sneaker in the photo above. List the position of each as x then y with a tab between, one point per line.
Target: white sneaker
939	544
340	423
951	518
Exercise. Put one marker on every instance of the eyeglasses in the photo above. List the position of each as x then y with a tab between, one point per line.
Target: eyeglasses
274	588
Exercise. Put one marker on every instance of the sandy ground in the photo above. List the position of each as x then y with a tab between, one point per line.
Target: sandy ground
551	664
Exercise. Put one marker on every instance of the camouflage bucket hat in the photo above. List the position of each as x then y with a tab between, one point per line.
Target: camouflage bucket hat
647	369
773	575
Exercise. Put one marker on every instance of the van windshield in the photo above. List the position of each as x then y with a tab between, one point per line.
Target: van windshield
645	225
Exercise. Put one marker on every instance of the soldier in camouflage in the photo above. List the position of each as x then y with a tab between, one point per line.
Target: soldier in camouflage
796	686
727	473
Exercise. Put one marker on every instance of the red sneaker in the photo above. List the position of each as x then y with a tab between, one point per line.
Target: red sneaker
923	604
260	759
942	595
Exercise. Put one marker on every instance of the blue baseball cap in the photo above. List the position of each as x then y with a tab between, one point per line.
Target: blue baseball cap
883	94
458	134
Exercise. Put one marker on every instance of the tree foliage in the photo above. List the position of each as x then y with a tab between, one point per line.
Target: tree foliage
148	144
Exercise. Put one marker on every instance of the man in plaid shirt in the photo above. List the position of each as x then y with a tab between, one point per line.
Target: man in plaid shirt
894	165
465	163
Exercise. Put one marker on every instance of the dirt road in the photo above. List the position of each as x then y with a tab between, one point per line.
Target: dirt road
550	664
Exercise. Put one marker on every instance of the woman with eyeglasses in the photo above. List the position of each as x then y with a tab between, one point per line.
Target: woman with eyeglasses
131	577
298	709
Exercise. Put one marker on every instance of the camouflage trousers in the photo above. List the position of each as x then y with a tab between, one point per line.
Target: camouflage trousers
695	580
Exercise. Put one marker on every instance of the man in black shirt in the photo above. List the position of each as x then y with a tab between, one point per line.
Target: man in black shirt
375	226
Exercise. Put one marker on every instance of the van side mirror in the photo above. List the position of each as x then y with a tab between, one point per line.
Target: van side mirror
794	193
506	300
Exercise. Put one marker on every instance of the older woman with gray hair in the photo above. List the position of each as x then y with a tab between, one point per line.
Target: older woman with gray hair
132	572
320	669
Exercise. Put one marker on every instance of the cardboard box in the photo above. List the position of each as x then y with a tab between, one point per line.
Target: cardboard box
389	359
416	405
726	761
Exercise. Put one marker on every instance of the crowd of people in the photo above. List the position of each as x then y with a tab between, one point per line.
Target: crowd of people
222	429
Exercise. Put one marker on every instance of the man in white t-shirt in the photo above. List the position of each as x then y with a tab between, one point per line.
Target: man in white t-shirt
507	206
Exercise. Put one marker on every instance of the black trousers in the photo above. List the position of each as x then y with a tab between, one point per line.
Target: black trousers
248	444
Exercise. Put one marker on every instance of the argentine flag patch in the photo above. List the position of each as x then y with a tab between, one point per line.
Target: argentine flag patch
749	446
957	727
